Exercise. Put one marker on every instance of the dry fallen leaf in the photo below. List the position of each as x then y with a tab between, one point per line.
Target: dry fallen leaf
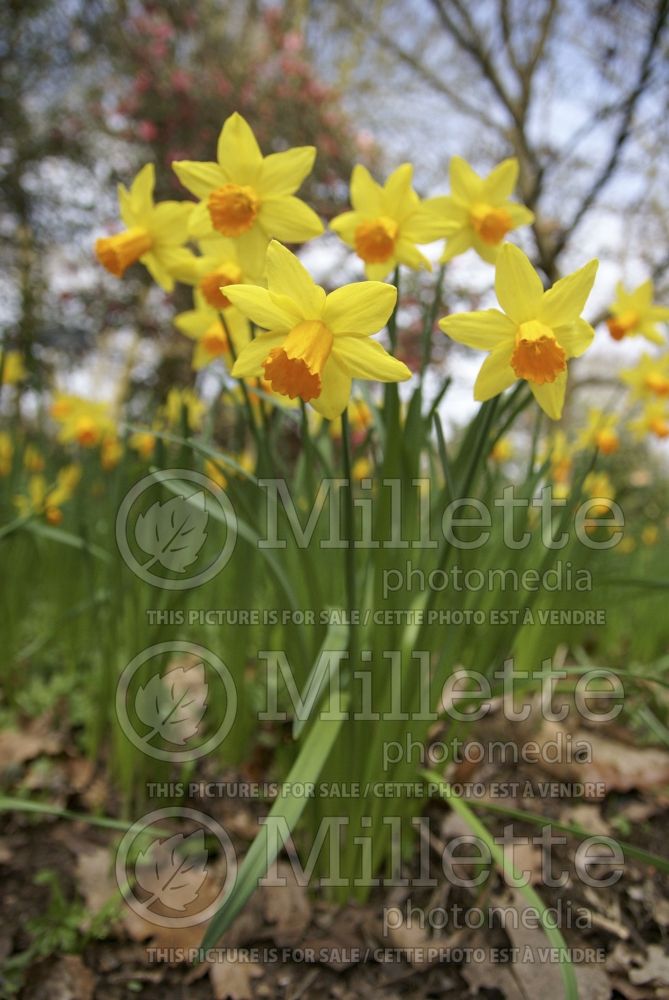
233	980
286	907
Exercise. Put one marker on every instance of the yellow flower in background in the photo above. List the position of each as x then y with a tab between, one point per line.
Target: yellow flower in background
654	421
248	196
598	485
155	233
316	343
111	452
85	422
6	453
502	451
33	460
211	334
220	472
479	211
218	267
387	221
634	314
535	335
600	432
13	368
42	499
143	442
650	534
648	378
360	419
362	468
184	404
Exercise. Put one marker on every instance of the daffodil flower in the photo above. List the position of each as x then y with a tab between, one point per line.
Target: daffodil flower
535	335
648	378
248	196
84	421
217	267
387	221
13	368
183	403
635	314
600	432
154	236
479	209
316	343
212	335
653	420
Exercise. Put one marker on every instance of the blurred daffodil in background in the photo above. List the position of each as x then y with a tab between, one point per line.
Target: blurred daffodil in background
217	333
154	236
600	431
534	336
648	378
635	314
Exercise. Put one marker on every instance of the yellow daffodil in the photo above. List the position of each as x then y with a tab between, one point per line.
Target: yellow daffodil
143	442
218	267
387	221
86	422
653	420
502	451
6	453
650	534
535	335
33	459
362	468
212	330
316	343
248	196
360	419
154	236
600	432
219	472
635	314
13	368
182	402
111	452
41	499
479	210
598	486
560	455
648	378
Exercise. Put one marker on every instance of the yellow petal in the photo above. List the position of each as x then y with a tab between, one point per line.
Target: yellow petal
501	181
252	251
550	395
642	297
345	225
466	185
335	392
250	359
141	189
282	173
260	307
483	330
287	218
489	252
496	373
517	284
158	271
193	322
366	194
366	358
377	272
238	151
361	308
407	253
169	221
199	224
520	216
286	275
457	244
576	338
658	314
429	223
565	301
398	198
200	178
